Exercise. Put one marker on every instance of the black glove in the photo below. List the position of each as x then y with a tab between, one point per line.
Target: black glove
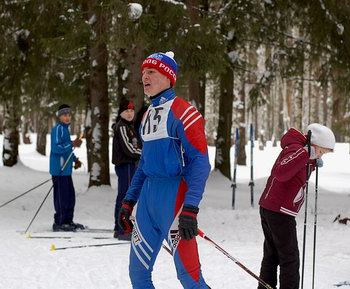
77	164
124	216
188	225
77	142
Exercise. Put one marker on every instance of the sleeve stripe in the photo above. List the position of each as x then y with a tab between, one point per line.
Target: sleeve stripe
192	122
59	145
126	141
183	115
187	118
292	156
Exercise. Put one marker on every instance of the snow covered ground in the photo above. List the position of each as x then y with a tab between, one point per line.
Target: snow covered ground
29	264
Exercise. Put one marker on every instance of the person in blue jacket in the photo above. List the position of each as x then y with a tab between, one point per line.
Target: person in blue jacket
169	182
61	163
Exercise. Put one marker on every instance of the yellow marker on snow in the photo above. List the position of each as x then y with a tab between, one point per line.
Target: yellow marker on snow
53	247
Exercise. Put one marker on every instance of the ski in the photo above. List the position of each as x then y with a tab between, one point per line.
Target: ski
86	230
54	248
234	184
95	230
345	283
30	236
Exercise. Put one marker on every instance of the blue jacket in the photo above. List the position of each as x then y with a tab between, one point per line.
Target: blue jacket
174	144
61	148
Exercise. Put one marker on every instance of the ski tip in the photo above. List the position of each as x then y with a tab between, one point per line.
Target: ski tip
28	236
52	247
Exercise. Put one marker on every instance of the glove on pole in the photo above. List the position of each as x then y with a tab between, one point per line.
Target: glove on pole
125	215
261	281
188	225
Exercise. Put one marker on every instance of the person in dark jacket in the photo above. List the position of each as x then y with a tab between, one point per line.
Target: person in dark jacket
282	199
126	153
61	163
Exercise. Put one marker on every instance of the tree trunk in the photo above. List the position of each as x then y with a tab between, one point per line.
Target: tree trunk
196	81
242	157
2	110
99	174
196	91
25	129
11	133
223	140
43	129
133	85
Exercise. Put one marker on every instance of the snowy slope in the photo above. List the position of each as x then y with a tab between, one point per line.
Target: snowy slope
29	263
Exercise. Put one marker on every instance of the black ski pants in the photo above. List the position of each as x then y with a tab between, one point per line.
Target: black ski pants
280	249
64	199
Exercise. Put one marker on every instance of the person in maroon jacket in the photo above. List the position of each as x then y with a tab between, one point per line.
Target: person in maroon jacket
282	199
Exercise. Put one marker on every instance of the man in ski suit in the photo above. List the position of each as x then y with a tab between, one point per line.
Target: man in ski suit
61	162
282	199
170	180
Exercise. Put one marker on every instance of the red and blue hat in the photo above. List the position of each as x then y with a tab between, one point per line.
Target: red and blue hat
164	63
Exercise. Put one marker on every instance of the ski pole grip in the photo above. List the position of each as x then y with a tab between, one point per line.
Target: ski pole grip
308	142
200	233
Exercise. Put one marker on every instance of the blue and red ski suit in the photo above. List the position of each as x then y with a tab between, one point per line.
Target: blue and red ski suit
172	172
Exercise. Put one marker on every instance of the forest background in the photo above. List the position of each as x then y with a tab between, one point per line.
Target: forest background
274	64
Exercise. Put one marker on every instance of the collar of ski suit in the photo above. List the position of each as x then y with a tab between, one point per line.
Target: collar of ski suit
64	124
163	97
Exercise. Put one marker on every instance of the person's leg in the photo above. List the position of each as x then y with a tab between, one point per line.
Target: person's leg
288	252
270	261
57	200
64	199
62	204
70	199
283	229
125	172
185	252
145	245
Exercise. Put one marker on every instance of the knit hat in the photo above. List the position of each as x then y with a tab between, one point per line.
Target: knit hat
124	105
321	136
164	63
63	109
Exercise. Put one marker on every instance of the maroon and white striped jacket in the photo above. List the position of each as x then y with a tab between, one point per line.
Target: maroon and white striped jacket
284	191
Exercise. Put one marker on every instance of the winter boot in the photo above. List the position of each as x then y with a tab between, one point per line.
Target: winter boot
77	226
63	228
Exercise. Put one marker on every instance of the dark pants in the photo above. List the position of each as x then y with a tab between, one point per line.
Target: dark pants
125	172
64	199
280	249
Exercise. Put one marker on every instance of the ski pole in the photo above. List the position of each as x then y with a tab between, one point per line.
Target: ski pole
261	281
306	197
48	193
53	247
26	192
315	227
251	183
234	184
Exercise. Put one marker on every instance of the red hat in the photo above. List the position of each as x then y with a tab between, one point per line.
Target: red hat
164	63
125	104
